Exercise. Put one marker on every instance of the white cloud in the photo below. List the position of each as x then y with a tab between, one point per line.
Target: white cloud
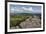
27	9
19	9
24	9
30	9
12	9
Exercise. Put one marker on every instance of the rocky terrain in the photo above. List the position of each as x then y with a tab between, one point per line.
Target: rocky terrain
34	22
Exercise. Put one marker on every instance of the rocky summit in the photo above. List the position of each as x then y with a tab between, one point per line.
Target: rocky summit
31	22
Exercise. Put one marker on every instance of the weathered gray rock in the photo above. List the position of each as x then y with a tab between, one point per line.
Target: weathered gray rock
17	27
12	27
31	23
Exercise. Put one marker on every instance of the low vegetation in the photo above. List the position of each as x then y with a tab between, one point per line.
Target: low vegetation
17	19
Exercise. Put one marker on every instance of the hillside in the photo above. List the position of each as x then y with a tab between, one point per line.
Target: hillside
25	21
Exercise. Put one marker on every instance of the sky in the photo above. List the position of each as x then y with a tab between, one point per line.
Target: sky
25	9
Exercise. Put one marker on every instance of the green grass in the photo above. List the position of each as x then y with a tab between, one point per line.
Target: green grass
17	19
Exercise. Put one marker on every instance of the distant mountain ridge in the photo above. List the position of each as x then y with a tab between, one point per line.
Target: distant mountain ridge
26	13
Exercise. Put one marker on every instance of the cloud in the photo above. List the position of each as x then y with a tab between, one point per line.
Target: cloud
27	9
19	9
12	10
23	9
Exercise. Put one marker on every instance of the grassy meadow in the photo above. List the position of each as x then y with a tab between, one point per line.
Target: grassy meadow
17	19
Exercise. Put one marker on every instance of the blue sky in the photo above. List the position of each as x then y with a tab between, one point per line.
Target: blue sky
25	9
